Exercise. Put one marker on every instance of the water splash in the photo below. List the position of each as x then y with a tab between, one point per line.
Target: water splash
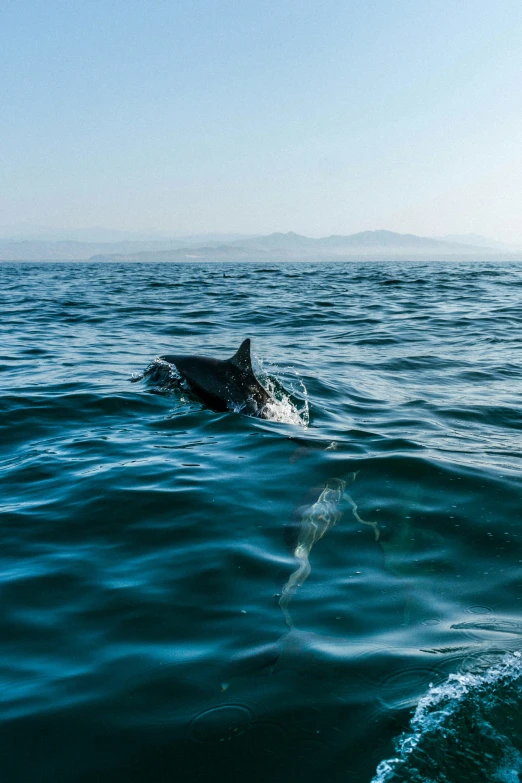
289	407
161	376
284	408
470	724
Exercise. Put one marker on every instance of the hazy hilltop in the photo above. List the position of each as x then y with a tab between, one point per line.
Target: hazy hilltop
276	246
64	248
292	246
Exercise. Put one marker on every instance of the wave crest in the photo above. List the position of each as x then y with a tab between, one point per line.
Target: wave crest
469	723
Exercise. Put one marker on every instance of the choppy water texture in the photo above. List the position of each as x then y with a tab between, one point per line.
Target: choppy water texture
332	594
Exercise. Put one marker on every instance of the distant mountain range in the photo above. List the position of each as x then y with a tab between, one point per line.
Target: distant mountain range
274	247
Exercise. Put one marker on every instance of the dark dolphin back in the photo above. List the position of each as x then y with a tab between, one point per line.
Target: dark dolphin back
242	359
221	383
209	378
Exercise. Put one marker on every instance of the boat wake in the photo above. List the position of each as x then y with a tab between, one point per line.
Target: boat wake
471	723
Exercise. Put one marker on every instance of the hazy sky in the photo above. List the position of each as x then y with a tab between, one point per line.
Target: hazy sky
317	116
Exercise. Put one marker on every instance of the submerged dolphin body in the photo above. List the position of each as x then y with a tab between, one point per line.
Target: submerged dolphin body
224	384
315	522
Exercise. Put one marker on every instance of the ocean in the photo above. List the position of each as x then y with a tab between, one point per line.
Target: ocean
155	625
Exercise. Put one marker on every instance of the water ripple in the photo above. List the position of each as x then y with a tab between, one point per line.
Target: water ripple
146	540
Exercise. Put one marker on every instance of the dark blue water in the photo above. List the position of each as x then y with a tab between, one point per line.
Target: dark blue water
146	541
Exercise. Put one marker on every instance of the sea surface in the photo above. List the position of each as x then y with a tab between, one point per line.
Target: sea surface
150	627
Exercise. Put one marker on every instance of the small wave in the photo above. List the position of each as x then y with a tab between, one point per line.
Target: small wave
498	626
161	376
466	729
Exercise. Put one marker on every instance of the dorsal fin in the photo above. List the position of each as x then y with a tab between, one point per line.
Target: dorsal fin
241	359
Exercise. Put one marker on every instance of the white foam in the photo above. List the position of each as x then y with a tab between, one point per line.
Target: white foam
285	411
164	375
282	408
437	707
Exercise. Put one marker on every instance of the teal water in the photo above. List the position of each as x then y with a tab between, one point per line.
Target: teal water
150	628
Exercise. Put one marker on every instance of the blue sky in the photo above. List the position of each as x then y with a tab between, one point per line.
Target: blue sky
318	117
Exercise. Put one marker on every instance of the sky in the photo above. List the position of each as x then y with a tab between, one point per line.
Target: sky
320	117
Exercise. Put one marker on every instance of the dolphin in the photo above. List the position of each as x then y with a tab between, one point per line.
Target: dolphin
316	521
224	384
